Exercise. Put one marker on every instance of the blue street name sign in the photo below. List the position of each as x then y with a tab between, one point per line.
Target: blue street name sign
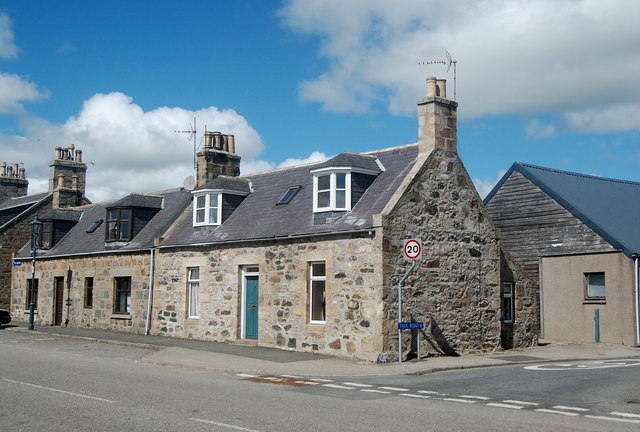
17	263
410	325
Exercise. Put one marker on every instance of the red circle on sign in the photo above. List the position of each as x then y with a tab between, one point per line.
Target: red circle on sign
412	249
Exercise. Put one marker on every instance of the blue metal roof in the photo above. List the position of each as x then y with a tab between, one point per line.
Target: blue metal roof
609	207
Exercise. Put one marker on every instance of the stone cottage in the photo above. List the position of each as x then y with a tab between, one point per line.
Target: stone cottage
67	178
305	258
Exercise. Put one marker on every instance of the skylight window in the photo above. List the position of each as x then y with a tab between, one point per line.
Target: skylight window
289	194
95	226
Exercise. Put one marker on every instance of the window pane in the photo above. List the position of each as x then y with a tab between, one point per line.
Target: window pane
324	182
125	214
200	202
124	230
324	199
113	215
200	216
318	269
194	273
317	300
193	299
213	216
113	231
595	285
341	199
341	180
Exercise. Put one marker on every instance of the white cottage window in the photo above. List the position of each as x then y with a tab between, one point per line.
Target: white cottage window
332	191
193	295
317	286
207	209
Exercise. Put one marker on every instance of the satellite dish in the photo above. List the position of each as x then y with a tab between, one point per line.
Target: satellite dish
189	183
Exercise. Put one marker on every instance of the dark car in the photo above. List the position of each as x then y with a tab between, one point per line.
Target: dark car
5	316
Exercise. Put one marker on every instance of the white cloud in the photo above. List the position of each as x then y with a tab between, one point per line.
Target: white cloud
126	149
315	156
14	90
484	186
512	55
129	150
537	129
617	118
8	49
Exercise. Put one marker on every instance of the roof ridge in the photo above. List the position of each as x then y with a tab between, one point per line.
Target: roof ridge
575	174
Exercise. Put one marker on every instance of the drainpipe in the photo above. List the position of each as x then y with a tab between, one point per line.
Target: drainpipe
150	296
637	283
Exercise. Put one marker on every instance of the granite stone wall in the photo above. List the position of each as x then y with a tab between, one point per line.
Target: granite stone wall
455	288
13	237
353	295
103	269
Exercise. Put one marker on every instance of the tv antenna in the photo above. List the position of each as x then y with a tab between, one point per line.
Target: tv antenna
448	62
192	135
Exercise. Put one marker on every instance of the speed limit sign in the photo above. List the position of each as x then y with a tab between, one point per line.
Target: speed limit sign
412	249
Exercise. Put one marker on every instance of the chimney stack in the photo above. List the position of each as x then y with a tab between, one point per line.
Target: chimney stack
217	158
437	119
13	182
67	177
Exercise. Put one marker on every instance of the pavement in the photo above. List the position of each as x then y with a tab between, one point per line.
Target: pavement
255	360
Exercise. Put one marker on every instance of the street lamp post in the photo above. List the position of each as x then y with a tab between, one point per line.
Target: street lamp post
36	229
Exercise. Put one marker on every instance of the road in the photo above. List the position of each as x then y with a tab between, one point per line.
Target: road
50	383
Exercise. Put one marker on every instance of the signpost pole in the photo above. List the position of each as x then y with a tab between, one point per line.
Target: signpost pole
413	264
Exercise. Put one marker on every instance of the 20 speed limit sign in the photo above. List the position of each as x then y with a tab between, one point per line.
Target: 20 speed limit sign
412	249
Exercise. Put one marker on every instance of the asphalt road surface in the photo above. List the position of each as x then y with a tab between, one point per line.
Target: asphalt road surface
49	383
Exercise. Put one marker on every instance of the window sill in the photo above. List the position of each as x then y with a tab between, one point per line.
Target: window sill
117	316
594	301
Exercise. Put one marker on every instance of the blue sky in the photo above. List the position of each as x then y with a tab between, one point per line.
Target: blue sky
547	82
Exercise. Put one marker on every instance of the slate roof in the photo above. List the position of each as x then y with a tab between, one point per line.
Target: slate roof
139	200
62	215
13	207
77	241
259	218
609	207
238	184
352	160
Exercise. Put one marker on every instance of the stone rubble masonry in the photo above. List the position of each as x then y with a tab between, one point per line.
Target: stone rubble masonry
455	288
103	269
353	296
13	237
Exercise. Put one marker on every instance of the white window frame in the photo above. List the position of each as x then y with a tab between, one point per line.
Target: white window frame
333	189
208	206
508	296
587	293
317	278
193	293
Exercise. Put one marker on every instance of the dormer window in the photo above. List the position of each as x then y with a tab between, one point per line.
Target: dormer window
119	224
332	191
207	209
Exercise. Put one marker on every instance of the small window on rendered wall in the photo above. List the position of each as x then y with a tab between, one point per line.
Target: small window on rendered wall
595	286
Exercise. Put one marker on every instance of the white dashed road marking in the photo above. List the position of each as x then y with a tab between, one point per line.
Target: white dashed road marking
550	411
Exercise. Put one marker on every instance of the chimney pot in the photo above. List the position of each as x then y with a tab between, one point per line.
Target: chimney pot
432	87
60	180
442	88
78	155
232	143
3	169
74	181
208	139
22	173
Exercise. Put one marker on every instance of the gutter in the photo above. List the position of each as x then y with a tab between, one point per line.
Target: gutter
636	263
147	327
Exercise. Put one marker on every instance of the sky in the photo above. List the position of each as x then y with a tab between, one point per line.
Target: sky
548	82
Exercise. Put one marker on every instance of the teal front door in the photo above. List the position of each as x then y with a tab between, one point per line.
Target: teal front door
251	307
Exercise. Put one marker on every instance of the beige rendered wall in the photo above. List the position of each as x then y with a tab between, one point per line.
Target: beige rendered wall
567	316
